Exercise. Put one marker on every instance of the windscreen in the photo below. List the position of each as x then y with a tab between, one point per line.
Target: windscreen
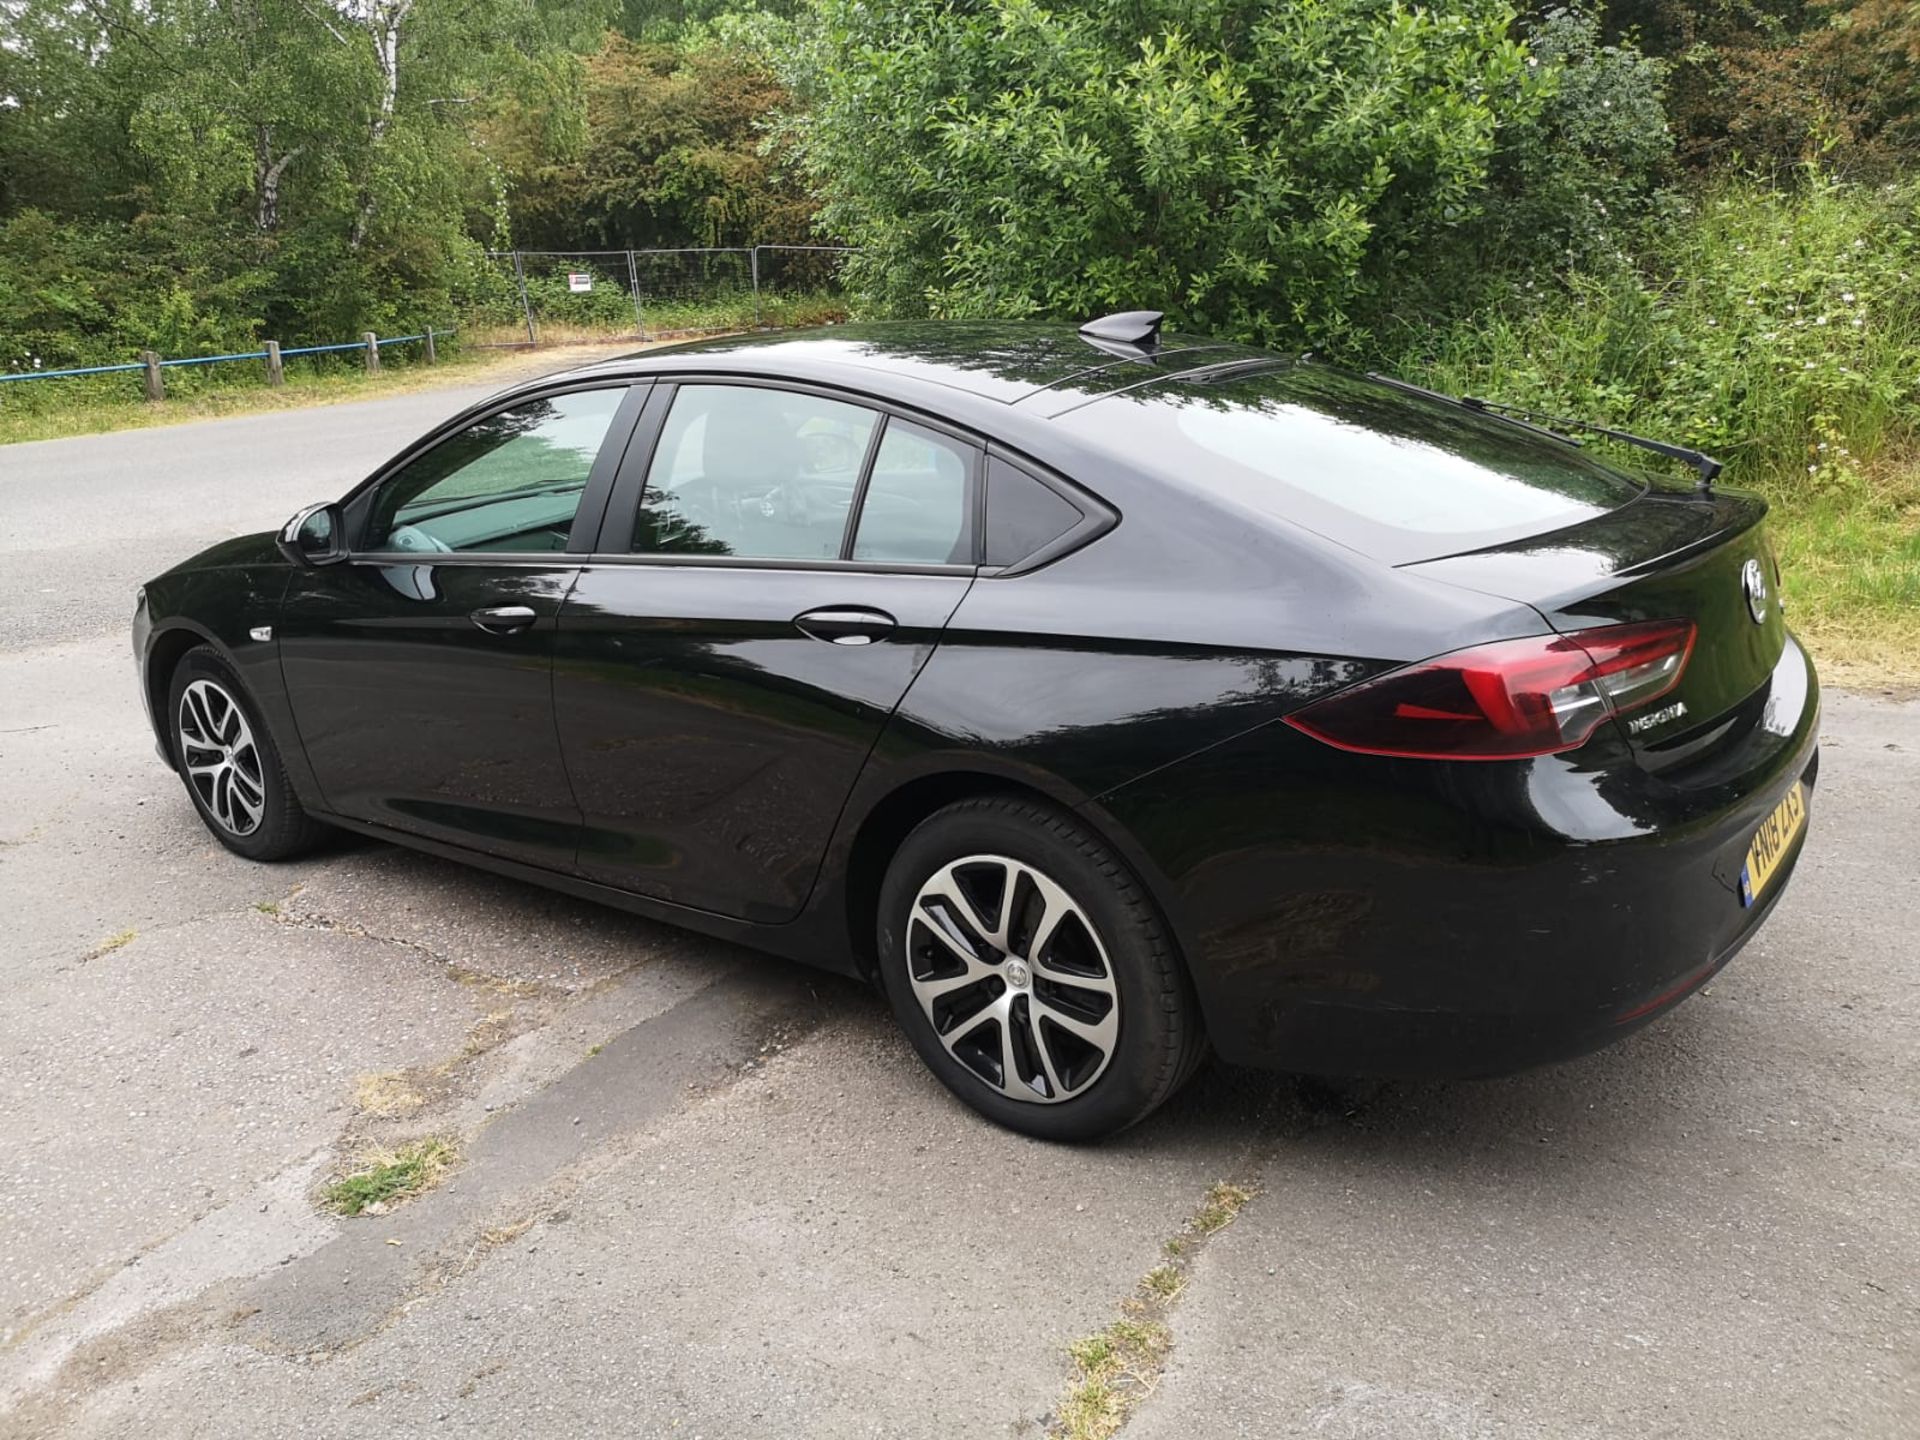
1390	474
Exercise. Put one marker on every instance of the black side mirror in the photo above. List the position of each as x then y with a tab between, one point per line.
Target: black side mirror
314	536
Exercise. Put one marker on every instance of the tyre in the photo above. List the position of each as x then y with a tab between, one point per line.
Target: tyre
1032	972
229	765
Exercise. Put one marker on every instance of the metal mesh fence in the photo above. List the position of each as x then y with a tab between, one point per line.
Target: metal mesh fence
800	284
545	296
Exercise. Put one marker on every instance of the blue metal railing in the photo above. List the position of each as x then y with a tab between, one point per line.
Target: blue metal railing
380	342
62	374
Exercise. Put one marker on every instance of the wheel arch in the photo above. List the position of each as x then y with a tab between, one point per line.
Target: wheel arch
894	816
165	650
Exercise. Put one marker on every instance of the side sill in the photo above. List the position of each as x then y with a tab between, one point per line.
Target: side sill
792	941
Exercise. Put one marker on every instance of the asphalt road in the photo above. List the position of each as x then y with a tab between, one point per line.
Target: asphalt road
706	1194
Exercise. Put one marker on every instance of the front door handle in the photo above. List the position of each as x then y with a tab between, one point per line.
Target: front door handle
846	624
503	619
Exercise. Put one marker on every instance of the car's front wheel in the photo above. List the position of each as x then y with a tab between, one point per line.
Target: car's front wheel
1033	973
229	765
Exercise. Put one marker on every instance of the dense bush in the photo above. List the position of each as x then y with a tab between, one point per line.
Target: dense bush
1767	85
1293	174
1255	172
1580	177
98	292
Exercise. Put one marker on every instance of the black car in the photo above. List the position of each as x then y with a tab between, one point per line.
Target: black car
1106	698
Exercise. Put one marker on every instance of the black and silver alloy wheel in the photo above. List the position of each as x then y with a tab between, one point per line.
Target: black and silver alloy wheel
227	758
1013	977
219	757
1033	972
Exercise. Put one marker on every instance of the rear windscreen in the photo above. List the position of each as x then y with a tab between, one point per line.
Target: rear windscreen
1390	474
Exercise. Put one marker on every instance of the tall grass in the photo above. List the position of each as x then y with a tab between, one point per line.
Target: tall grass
716	313
1778	330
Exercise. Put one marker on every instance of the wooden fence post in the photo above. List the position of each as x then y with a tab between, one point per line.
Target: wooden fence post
432	358
156	386
275	375
373	353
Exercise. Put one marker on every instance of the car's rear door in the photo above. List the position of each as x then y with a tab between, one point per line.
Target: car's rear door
777	565
420	669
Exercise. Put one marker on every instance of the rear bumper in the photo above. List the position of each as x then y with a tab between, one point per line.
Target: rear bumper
1345	915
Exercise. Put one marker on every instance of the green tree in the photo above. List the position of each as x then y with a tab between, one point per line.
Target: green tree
311	167
673	152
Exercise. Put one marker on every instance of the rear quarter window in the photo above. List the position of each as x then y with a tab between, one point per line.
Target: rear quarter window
1024	516
1392	475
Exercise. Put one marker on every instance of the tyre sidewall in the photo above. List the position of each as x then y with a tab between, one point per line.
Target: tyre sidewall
1155	1000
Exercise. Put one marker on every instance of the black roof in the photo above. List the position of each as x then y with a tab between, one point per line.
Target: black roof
1011	362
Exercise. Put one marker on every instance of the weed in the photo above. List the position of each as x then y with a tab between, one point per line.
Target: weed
1117	1367
1115	1370
388	1094
486	1032
1223	1204
1164	1282
111	944
497	1235
391	1176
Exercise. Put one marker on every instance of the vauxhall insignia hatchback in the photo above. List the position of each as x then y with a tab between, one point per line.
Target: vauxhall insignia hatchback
1108	699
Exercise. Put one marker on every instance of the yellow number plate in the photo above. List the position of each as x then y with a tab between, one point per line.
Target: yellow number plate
1771	842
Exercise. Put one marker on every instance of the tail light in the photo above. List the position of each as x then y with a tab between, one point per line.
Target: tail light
1507	700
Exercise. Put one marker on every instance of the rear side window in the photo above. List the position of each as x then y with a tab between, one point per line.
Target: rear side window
1023	515
1391	475
918	507
768	474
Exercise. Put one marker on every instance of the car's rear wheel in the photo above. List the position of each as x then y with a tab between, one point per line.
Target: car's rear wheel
229	765
1032	972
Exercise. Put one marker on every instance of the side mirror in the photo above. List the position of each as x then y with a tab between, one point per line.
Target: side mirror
314	536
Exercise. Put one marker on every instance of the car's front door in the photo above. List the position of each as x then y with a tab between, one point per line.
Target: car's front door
777	566
420	669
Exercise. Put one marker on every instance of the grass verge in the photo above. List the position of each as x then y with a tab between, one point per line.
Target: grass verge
100	410
390	1176
1852	573
1115	1369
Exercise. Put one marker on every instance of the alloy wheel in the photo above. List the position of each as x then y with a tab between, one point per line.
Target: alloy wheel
1012	975
221	760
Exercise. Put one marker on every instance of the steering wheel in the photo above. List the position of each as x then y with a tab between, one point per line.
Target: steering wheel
412	540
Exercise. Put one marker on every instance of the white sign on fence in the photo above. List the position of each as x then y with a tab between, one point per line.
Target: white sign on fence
580	281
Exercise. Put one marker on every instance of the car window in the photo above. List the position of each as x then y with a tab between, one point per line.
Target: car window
768	474
1022	514
510	482
1394	476
918	506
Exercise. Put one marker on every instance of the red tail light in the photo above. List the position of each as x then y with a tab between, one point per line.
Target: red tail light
1507	700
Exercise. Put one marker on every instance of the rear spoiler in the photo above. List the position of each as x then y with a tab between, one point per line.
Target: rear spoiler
1556	428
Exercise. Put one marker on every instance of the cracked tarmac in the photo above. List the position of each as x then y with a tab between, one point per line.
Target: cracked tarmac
706	1193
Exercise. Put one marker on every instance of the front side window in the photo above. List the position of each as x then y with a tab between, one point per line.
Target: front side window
511	482
765	474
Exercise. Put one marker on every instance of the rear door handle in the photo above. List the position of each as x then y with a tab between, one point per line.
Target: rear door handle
503	619
846	624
